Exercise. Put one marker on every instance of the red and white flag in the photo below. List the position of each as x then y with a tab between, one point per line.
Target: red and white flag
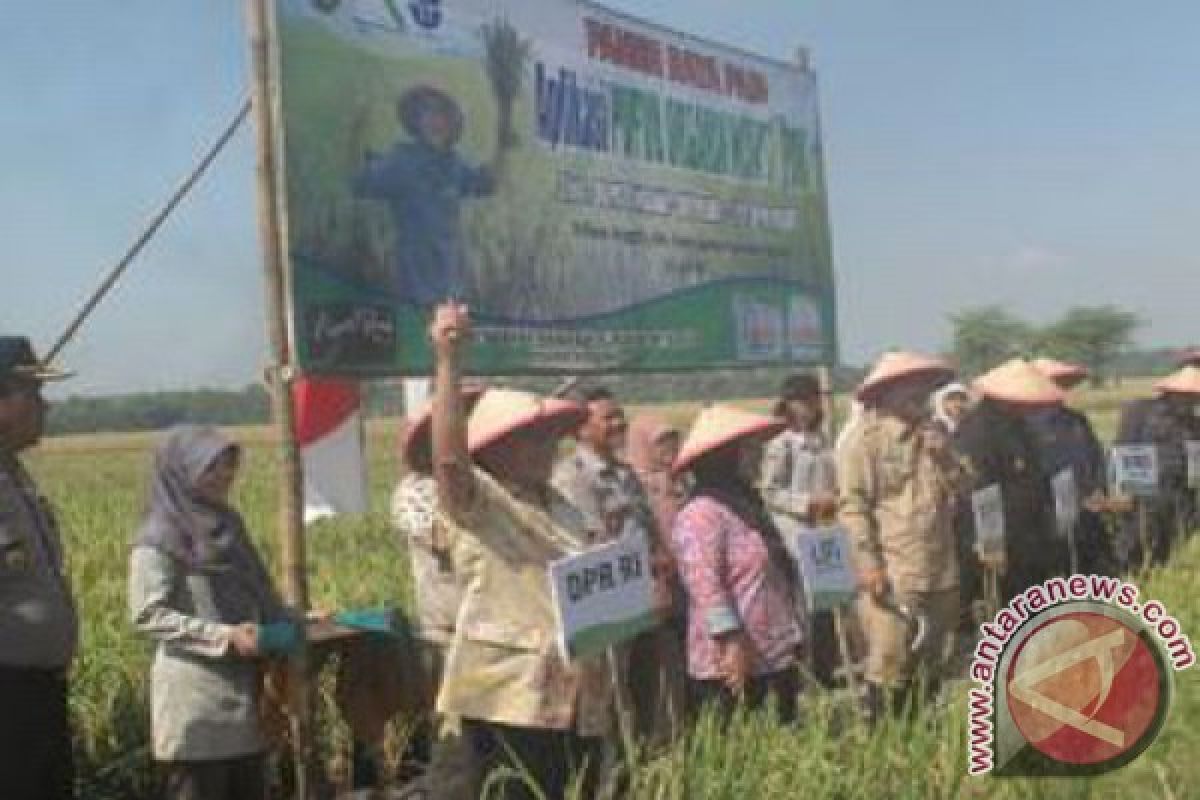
329	432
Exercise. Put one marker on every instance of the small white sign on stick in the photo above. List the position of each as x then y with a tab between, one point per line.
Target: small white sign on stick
1193	464
988	507
1066	500
603	596
1135	470
822	556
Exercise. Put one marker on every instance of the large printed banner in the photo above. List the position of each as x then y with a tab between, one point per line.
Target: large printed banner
605	194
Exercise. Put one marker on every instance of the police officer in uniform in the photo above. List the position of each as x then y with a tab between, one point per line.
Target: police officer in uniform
38	623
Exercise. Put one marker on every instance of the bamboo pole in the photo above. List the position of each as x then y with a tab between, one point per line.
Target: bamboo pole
829	424
149	230
280	374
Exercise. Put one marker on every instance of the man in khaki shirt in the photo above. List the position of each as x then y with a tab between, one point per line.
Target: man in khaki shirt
898	481
522	704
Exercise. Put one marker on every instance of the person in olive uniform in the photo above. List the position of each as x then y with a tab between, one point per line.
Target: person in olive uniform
39	628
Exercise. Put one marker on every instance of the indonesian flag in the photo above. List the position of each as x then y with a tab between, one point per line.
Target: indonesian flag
329	432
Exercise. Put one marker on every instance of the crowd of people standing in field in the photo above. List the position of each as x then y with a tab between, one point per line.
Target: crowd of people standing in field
487	502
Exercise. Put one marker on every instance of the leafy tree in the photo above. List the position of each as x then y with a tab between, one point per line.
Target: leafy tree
1093	336
986	336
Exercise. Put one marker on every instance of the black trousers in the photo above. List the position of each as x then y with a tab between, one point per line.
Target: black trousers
551	759
36	761
224	779
783	687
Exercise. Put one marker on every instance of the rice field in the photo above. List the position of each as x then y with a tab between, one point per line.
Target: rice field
96	483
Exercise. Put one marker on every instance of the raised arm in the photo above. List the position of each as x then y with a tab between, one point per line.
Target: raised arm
449	331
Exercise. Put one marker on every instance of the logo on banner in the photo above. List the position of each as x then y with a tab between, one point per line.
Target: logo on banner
760	328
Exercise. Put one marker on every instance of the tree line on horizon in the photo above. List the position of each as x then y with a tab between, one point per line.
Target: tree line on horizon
981	337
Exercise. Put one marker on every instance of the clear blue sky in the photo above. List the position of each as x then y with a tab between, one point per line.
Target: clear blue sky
1033	153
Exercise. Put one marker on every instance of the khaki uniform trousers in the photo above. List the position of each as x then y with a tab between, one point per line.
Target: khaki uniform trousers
890	663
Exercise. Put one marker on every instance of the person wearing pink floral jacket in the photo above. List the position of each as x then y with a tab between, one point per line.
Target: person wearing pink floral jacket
743	629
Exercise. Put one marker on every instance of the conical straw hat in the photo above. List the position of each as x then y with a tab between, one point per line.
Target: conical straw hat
1020	383
1185	381
720	425
900	365
415	438
1064	374
1189	358
500	412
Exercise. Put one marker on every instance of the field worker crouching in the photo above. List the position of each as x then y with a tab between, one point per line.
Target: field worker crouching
521	704
198	587
39	629
898	479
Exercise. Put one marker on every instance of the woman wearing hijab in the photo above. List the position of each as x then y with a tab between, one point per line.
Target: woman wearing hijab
950	405
743	629
653	446
522	705
199	589
658	678
799	487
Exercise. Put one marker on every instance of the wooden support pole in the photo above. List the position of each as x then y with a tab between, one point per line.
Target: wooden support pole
839	627
280	375
1143	521
828	407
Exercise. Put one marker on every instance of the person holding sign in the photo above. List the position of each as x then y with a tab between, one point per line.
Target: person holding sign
899	480
1000	450
799	487
743	629
1166	421
198	587
610	494
521	703
1066	441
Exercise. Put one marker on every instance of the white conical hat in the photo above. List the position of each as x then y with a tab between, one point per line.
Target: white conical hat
719	425
900	365
1063	373
1185	381
500	412
1020	383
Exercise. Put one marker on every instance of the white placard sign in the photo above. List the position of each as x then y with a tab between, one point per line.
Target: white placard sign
823	558
603	596
1066	500
1193	464
1135	470
988	507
